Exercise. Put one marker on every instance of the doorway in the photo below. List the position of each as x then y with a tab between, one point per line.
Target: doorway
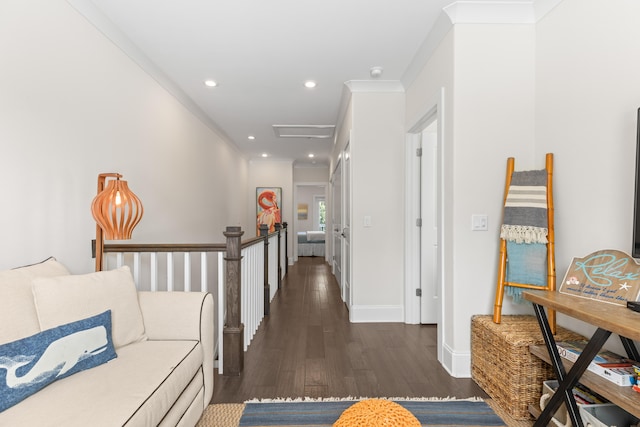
341	224
424	272
428	242
336	222
346	227
310	201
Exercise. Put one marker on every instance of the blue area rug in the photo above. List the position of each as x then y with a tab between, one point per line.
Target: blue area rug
472	412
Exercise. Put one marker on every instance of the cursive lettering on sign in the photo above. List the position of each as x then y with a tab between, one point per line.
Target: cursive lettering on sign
602	268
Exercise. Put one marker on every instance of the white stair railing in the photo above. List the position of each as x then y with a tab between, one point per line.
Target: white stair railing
202	268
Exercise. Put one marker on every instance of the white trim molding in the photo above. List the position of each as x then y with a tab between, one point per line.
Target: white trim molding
374	86
499	12
101	22
457	364
376	313
476	12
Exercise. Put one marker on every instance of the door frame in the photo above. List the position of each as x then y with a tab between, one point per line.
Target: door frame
433	111
336	247
296	186
346	222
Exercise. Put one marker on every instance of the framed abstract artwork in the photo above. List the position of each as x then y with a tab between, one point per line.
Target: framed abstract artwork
303	211
268	202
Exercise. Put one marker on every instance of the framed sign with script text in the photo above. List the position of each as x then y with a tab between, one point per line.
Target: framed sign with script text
609	276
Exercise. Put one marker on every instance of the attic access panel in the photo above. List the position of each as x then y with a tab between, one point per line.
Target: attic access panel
304	131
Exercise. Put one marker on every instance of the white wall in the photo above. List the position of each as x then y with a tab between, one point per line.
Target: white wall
421	97
588	93
487	75
271	173
377	121
311	174
73	106
566	85
493	120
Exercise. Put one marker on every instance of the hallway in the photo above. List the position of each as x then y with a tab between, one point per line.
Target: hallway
308	348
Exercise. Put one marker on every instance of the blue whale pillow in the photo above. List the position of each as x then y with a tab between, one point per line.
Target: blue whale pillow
30	364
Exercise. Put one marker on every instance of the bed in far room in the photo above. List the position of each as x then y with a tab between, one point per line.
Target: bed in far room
311	243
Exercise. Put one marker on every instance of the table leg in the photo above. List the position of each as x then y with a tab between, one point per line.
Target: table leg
566	381
630	348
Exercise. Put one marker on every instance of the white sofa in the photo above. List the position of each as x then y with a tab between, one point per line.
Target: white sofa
163	372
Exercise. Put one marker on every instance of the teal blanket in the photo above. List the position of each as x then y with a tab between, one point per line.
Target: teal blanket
526	263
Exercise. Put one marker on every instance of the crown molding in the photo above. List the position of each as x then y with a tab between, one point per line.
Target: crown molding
499	12
374	86
103	24
475	12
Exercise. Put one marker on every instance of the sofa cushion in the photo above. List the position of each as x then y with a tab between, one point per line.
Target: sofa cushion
63	299
136	389
16	300
30	364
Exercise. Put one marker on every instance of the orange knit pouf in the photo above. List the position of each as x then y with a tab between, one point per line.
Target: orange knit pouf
376	412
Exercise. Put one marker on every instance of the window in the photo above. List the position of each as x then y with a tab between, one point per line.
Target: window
320	213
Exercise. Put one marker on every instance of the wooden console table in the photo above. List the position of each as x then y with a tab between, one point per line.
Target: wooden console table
608	318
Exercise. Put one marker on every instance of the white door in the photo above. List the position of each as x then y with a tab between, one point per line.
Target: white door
336	221
346	228
429	230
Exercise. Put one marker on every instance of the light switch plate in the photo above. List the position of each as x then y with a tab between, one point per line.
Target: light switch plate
479	222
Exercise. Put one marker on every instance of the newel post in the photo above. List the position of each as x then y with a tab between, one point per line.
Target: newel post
264	231
278	229
286	247
233	333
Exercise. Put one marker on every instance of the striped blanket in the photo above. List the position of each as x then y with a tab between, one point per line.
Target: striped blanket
525	229
525	210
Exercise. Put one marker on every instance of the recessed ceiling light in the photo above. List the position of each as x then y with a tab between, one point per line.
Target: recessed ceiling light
251	137
311	155
310	84
265	155
210	83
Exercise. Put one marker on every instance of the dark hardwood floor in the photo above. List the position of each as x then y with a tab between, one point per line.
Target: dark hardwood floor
308	348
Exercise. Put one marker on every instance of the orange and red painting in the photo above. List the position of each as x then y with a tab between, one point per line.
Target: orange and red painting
268	204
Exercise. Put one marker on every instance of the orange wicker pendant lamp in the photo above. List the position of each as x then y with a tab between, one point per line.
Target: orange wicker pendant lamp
116	209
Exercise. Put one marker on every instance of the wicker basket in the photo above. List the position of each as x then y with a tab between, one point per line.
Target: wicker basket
503	366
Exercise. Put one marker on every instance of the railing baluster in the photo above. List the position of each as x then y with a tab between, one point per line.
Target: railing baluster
251	297
187	272
243	302
221	310
273	265
204	270
153	267
136	268
119	259
170	271
246	292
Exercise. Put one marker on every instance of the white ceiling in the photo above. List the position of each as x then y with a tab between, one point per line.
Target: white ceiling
262	51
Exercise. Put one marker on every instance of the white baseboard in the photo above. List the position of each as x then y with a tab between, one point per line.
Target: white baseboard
457	364
376	313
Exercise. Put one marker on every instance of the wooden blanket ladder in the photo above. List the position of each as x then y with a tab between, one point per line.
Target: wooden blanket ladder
551	269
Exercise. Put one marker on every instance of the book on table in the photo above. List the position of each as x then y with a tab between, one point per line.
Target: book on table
607	364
